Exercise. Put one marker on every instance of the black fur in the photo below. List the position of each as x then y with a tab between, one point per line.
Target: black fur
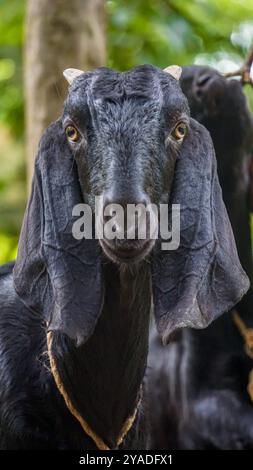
95	296
203	376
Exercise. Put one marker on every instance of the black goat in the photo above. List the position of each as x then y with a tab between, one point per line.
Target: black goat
202	380
74	321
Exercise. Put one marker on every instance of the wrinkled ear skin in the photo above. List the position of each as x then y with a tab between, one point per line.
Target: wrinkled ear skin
203	278
56	275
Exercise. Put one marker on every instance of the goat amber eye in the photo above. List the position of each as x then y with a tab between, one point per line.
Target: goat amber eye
72	133
180	131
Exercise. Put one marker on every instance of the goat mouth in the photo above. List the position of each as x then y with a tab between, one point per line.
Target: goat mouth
130	255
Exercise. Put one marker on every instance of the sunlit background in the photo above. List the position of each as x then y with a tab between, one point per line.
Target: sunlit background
161	32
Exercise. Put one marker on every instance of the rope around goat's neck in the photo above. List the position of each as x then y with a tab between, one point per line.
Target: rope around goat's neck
85	426
247	334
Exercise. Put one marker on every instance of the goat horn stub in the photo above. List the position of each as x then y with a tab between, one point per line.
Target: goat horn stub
72	74
174	70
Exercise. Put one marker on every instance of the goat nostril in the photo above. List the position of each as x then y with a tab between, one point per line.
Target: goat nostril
203	80
112	203
145	201
124	215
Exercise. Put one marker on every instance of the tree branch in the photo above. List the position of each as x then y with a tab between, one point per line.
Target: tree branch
244	71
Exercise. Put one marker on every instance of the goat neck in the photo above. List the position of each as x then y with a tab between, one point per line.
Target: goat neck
103	377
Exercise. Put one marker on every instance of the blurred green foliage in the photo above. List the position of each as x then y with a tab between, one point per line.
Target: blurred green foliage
12	167
161	32
177	31
11	42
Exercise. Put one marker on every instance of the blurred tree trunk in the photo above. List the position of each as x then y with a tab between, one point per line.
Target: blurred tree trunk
59	34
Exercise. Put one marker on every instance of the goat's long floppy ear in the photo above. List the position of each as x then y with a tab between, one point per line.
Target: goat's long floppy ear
203	278
55	274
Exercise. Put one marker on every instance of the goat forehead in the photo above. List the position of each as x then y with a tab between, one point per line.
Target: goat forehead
134	84
137	96
128	96
125	114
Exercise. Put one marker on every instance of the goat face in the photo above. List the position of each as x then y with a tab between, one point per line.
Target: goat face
125	130
220	105
122	136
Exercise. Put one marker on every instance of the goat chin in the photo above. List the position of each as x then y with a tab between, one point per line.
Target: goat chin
127	256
